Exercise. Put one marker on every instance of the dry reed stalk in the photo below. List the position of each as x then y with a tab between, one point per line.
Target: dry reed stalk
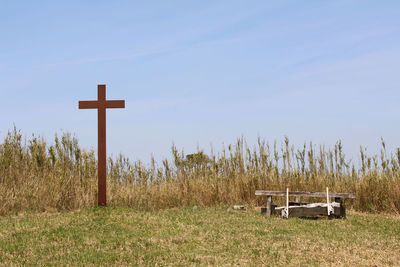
38	176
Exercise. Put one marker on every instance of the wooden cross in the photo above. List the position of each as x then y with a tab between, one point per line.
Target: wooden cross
101	105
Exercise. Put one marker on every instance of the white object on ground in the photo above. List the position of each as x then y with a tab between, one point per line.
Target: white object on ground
239	207
287	202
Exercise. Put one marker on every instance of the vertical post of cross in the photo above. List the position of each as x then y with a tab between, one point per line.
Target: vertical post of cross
101	104
101	145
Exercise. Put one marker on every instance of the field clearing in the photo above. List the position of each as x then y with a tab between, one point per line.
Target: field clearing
202	236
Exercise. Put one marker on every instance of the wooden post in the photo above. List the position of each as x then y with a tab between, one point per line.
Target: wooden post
269	206
342	208
101	146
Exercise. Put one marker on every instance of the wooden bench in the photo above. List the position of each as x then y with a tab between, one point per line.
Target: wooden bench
299	209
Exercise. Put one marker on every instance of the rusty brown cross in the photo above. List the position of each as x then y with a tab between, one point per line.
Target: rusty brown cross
101	105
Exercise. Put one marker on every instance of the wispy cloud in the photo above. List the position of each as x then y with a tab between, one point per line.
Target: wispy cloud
157	104
122	56
141	53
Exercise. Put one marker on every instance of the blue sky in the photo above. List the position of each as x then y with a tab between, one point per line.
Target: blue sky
203	72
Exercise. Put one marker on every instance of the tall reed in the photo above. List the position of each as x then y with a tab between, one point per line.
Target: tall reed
38	176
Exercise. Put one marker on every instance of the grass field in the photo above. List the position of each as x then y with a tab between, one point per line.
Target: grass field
150	220
202	236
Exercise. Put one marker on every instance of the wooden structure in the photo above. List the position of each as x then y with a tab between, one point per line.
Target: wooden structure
101	105
303	209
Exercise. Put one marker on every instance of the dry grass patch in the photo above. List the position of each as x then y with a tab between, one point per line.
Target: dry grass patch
40	176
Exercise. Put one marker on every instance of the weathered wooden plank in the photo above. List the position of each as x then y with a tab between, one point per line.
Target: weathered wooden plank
316	209
304	194
298	203
310	212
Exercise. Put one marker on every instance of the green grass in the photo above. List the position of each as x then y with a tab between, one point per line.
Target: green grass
203	236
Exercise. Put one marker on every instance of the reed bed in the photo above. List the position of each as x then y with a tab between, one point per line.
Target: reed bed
39	176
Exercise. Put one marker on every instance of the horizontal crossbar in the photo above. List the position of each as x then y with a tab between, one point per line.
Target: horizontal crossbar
88	104
97	104
303	194
115	104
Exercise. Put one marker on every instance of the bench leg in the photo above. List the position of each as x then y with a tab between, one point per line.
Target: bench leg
342	208
269	206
